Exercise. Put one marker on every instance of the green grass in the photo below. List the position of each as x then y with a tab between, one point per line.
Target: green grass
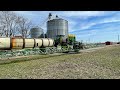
100	64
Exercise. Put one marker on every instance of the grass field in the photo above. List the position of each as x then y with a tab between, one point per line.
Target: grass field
103	63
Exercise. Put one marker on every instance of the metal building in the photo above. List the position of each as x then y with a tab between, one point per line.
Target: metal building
37	32
108	43
57	26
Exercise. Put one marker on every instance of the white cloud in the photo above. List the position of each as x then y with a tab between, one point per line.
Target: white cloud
71	25
26	13
80	13
108	20
38	16
88	25
82	25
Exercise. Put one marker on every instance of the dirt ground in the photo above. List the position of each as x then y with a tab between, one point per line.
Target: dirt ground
95	63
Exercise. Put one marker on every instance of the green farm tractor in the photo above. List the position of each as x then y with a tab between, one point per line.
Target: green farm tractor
69	44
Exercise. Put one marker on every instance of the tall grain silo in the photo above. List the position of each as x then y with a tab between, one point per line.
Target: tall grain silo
57	26
37	32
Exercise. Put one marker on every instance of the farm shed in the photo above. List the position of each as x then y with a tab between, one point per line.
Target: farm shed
108	43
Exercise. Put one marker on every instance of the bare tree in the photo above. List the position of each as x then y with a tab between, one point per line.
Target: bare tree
24	26
8	22
2	29
11	24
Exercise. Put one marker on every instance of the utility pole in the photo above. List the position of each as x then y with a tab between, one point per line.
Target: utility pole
89	40
118	37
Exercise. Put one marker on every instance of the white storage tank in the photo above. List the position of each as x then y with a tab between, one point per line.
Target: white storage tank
5	43
29	43
38	42
51	42
17	43
47	42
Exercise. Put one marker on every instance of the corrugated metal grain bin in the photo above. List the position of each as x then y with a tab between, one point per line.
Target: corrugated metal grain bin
56	27
37	32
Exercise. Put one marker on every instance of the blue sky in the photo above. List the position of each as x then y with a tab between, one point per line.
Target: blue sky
93	26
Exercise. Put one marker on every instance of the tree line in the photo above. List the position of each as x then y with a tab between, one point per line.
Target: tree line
12	25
